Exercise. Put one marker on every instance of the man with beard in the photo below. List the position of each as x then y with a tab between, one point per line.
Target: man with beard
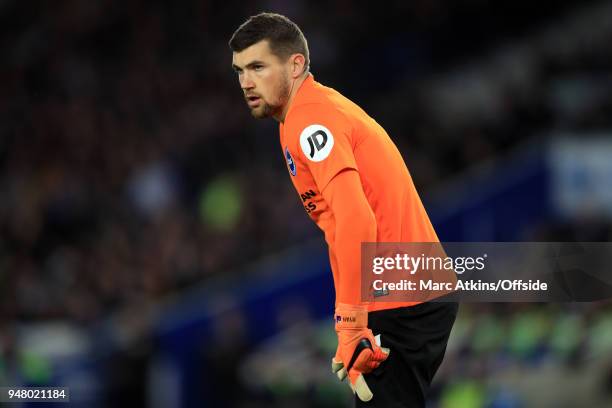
355	186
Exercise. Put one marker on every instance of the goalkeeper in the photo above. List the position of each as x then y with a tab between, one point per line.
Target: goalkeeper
355	186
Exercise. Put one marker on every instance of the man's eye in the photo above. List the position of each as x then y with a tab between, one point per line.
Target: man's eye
258	67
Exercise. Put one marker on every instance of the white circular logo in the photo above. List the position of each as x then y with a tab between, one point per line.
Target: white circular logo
316	142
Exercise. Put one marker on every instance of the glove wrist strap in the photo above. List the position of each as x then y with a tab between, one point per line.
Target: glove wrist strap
351	316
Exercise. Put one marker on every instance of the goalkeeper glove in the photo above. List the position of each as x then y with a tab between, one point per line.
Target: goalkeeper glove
357	352
337	366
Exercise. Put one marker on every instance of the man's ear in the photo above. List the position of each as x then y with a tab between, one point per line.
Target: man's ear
298	64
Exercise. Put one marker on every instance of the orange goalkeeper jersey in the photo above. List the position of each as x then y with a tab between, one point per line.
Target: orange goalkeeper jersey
324	134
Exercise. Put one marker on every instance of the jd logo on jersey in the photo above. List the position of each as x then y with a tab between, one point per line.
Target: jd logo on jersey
316	142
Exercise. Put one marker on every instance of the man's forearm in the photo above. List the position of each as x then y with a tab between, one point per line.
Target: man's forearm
355	223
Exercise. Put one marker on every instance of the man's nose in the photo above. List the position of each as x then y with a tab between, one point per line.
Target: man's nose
246	82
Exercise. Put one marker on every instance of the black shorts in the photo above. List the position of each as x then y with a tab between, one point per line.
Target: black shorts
417	337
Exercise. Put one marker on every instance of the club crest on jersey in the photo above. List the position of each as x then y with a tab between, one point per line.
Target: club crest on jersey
316	142
290	162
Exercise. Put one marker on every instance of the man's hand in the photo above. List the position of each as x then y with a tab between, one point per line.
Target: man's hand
357	352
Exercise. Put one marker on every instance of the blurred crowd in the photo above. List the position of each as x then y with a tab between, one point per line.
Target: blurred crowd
509	355
130	168
125	167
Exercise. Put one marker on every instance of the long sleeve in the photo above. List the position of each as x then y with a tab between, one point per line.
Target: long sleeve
355	223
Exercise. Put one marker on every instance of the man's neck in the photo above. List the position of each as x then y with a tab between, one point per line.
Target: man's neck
294	89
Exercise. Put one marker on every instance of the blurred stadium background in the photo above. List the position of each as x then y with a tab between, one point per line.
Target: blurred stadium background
153	252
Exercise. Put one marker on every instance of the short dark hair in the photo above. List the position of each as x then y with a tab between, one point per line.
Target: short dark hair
284	36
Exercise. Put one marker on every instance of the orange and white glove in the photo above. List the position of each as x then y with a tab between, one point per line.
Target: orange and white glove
357	352
337	366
